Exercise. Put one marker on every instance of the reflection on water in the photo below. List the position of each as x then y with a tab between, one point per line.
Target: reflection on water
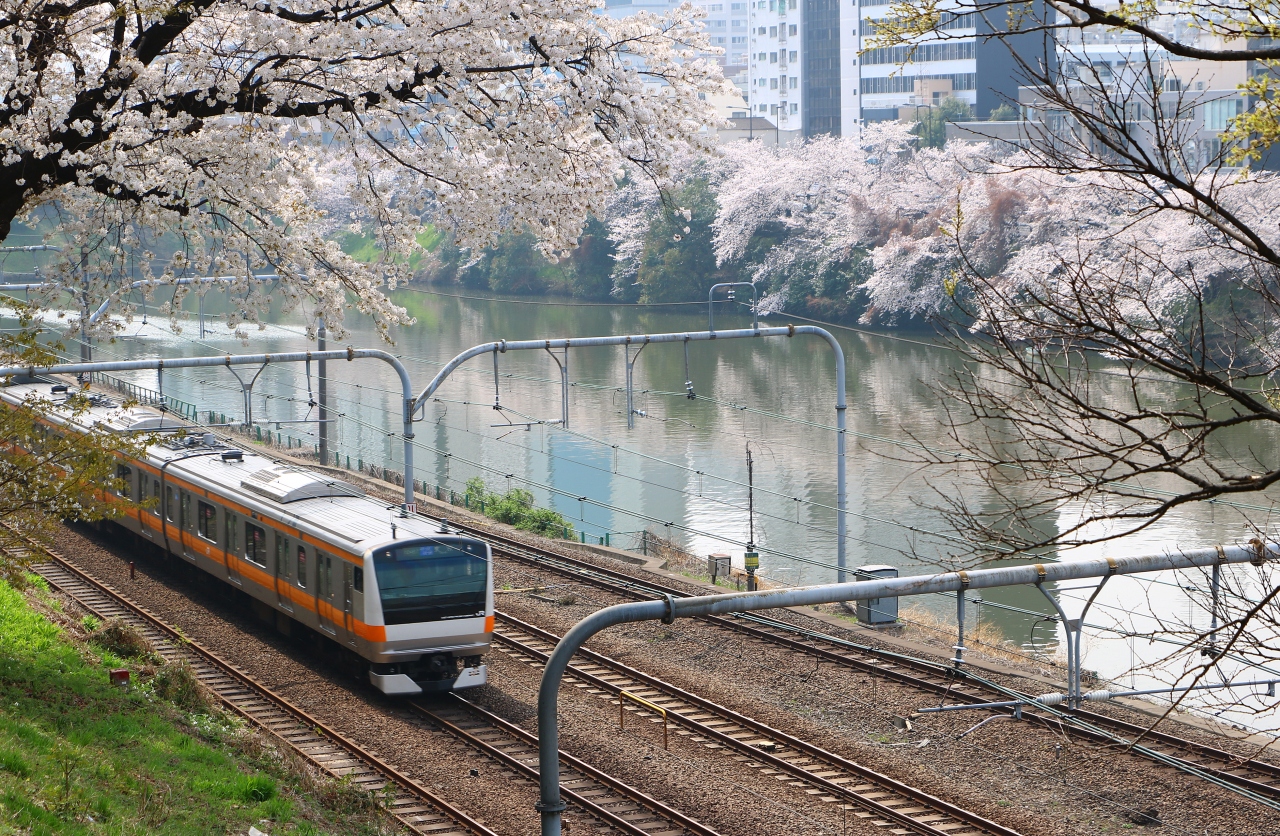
682	470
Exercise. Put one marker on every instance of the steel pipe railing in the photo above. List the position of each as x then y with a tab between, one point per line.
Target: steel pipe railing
229	360
669	608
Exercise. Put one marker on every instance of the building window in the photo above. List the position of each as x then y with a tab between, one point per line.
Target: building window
792	55
791	4
737	7
773	84
920	53
761	108
739	39
795	82
791	30
1218	114
773	57
773	31
795	108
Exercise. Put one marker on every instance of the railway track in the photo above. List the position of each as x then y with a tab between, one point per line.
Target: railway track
1255	779
885	802
415	807
620	807
612	802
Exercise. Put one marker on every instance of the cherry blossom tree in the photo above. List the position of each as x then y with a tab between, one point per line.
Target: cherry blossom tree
206	129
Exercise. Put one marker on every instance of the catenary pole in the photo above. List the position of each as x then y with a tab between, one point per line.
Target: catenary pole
230	360
669	608
641	340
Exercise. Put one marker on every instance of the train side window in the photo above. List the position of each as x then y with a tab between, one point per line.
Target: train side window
324	570
125	474
186	510
233	541
207	521
357	579
255	544
302	566
282	556
170	503
155	491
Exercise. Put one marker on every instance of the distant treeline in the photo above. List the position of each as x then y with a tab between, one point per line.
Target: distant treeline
675	265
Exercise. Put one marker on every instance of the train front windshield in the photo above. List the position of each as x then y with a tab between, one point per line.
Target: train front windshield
429	581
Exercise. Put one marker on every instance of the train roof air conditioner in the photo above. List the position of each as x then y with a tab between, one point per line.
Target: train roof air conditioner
284	484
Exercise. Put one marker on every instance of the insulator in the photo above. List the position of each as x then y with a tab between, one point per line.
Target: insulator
688	390
1098	696
1051	699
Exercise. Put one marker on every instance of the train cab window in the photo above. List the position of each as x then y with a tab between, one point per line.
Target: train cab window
233	540
171	503
207	521
255	544
302	566
125	474
429	581
357	579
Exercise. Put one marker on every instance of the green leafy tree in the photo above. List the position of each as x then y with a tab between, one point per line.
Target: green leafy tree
592	263
48	474
932	128
679	262
1004	113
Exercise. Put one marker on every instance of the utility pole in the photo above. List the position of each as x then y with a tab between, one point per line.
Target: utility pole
323	392
751	560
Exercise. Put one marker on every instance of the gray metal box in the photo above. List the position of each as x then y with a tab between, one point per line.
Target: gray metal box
877	612
718	565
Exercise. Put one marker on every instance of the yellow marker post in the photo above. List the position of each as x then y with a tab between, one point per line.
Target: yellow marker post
641	701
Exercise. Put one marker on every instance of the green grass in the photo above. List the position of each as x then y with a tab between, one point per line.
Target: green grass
78	756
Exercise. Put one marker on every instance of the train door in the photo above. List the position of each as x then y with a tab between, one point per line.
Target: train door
231	547
283	574
348	621
324	593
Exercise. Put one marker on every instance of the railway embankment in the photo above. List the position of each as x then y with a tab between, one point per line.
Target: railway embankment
80	755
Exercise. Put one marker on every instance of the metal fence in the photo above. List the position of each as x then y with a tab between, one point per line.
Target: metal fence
143	395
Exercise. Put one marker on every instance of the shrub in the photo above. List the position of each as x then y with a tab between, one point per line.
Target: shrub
179	684
121	638
253	789
516	508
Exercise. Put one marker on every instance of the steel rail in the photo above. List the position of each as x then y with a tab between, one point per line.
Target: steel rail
414	806
583	784
888	800
1259	777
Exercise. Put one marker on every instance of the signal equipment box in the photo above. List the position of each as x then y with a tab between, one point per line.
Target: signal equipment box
877	612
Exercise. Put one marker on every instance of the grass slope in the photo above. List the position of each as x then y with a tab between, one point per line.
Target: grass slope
78	756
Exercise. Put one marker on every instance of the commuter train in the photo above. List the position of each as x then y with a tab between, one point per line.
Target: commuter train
411	600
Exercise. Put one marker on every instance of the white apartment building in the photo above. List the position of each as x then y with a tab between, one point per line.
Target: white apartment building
774	75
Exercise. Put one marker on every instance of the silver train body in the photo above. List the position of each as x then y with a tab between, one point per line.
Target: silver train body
413	602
